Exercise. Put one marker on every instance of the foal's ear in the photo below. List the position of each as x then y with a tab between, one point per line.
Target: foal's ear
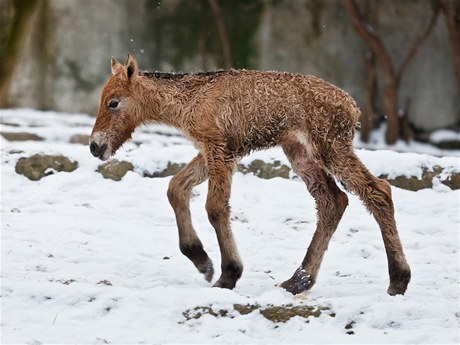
131	66
116	67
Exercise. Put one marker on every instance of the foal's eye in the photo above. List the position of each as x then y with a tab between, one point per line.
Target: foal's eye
113	104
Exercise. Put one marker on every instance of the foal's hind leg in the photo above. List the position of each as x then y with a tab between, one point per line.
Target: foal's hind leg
179	192
330	202
376	196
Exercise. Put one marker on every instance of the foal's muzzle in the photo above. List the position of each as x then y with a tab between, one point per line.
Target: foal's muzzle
97	150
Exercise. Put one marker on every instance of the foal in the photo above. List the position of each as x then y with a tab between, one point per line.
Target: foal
228	114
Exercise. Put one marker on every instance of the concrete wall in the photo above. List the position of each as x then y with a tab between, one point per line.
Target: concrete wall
66	54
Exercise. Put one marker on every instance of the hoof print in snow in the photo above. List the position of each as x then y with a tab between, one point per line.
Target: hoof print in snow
66	282
21	136
115	169
39	166
275	314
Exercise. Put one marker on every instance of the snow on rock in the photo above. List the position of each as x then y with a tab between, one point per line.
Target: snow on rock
444	135
90	260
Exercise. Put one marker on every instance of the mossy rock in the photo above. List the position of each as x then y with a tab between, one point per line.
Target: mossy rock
448	144
453	181
115	169
409	183
285	313
39	166
171	169
265	170
426	181
79	139
21	136
273	313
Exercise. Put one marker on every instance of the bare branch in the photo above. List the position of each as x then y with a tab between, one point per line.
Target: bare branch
371	37
417	44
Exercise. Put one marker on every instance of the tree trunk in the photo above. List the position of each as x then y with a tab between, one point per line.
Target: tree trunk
370	90
390	84
11	48
371	12
391	78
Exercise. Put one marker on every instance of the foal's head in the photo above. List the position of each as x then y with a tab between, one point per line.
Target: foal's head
118	105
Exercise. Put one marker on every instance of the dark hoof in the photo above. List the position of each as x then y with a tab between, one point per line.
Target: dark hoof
200	259
207	270
399	282
230	275
225	284
300	282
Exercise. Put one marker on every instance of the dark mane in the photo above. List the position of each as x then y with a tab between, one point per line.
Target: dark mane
173	75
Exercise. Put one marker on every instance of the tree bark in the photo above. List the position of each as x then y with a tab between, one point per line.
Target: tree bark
371	13
370	90
389	88
10	49
391	78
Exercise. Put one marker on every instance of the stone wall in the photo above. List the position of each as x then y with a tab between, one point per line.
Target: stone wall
66	54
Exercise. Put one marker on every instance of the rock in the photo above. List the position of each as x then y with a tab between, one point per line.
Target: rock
413	183
115	169
285	313
270	170
15	152
38	166
11	124
79	139
448	144
453	181
171	169
275	314
409	183
21	136
265	170
245	309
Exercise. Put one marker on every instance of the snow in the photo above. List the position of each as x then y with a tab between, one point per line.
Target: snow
441	135
377	142
89	260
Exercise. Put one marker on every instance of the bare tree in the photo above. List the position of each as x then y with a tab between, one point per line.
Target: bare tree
370	82
391	76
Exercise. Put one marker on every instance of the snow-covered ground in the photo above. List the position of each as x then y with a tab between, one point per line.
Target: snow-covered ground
89	260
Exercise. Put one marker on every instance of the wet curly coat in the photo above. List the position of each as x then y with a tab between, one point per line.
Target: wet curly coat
228	114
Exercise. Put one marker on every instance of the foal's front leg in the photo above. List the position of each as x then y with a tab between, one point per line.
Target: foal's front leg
179	192
218	208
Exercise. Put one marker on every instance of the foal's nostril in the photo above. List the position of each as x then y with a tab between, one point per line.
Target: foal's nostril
94	148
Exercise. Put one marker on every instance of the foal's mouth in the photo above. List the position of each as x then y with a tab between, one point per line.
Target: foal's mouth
99	151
